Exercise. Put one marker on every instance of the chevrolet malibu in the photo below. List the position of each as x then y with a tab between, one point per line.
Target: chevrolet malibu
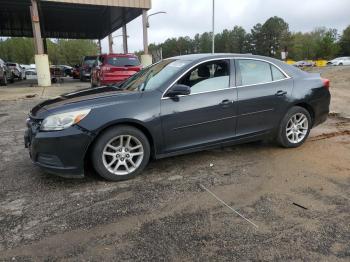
179	105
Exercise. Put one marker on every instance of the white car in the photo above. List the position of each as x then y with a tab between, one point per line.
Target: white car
31	74
339	61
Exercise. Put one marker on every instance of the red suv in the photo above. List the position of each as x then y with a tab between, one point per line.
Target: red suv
114	68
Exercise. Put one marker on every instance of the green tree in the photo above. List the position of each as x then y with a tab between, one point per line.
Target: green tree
17	49
276	36
344	42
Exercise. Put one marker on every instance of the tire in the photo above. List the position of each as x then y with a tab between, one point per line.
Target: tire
92	83
297	134
3	82
101	154
12	79
340	64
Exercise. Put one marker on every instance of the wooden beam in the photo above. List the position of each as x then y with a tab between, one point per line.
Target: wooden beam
38	42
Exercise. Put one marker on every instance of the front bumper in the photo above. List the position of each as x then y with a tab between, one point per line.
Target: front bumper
58	152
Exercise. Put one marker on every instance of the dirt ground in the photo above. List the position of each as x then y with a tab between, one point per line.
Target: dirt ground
164	215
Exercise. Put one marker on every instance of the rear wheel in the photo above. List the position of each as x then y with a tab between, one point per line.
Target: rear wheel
295	127
120	153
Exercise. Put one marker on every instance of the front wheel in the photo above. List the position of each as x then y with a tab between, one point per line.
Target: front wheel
294	128
120	153
3	82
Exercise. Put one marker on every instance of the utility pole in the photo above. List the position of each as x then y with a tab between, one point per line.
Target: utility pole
145	34
125	40
213	29
110	43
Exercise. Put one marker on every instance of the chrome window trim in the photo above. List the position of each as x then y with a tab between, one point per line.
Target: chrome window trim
204	92
226	58
264	83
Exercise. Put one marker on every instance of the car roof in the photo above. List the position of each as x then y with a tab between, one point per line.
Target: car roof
119	55
197	58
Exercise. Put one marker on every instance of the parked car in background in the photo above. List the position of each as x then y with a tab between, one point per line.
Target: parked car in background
76	72
304	63
17	70
86	66
5	74
31	74
345	60
180	105
67	70
114	68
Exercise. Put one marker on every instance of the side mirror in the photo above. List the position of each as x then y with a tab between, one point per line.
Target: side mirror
178	90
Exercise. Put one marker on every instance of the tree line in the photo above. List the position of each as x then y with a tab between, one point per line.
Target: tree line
268	39
69	52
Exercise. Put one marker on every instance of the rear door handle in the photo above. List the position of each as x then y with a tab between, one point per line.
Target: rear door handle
226	102
281	93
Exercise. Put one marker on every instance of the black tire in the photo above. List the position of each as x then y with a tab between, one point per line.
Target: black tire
92	83
282	138
3	82
340	64
104	138
12	79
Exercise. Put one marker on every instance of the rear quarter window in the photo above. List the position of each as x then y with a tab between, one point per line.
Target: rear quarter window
276	73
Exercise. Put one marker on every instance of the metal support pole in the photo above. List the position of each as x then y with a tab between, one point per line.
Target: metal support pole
99	46
110	43
38	42
213	29
125	40
145	34
45	45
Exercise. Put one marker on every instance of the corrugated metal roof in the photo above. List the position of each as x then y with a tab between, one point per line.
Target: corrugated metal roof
89	19
144	4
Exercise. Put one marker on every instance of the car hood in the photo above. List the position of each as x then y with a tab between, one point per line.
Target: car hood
91	97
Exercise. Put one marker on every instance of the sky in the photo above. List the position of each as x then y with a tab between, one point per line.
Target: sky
188	17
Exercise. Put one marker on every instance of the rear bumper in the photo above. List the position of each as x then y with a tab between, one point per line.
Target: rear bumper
321	108
59	152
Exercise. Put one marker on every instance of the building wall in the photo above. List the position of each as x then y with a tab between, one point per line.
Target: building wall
145	4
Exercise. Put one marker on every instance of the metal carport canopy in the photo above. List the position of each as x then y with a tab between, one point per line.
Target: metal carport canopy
75	19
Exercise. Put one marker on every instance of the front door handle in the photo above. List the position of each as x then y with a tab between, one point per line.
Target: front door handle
281	93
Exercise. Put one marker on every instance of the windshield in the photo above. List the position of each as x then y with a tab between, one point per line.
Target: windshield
154	76
89	60
123	61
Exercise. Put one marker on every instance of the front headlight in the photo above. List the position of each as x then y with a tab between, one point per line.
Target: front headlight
63	120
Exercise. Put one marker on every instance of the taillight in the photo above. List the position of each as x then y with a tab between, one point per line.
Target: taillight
326	83
106	68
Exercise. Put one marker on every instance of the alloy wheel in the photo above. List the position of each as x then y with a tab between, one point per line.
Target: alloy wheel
122	155
297	128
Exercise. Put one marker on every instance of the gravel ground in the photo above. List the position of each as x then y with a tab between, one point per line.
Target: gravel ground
165	215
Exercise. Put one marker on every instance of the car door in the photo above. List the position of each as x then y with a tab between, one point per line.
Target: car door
207	115
263	91
347	61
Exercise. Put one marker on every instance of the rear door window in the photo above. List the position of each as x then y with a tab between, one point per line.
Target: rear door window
253	72
123	61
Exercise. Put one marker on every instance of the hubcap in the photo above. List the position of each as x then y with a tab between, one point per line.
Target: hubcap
122	155
297	128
